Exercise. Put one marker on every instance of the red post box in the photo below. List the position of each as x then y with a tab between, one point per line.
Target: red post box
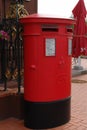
47	70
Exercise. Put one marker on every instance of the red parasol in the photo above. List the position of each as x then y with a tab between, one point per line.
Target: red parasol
79	40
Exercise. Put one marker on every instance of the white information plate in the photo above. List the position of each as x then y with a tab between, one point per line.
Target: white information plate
69	46
50	47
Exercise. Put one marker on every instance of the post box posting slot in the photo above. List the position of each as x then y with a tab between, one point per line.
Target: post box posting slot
50	28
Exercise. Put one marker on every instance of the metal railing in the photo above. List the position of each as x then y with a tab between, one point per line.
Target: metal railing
11	53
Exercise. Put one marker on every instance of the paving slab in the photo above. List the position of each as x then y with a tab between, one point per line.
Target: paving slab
80	69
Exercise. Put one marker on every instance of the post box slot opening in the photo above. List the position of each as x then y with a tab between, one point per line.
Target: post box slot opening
49	28
69	29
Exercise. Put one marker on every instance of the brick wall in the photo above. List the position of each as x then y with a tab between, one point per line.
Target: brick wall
30	6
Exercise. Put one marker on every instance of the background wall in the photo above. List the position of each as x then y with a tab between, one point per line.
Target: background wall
31	7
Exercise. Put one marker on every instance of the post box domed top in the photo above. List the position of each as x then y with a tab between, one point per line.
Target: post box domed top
38	18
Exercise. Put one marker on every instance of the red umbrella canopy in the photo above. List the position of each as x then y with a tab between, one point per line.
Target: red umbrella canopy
79	40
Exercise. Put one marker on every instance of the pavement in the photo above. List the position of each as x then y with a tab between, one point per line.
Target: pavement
78	107
79	69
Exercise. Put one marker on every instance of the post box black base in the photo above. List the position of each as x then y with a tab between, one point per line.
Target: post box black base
46	115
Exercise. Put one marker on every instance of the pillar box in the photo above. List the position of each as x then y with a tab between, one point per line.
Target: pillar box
47	70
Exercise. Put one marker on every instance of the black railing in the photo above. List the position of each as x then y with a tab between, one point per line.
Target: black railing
11	53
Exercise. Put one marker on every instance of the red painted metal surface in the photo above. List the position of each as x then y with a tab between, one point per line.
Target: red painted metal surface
47	63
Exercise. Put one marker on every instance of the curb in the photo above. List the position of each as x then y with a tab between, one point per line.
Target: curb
78	72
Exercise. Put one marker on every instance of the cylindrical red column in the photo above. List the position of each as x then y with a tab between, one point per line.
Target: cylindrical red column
47	70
